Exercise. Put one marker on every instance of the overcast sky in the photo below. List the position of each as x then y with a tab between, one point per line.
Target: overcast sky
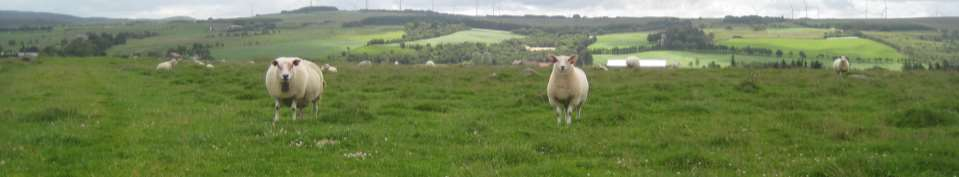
636	8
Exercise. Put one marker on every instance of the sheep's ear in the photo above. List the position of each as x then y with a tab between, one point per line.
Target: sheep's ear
552	59
276	63
296	62
572	60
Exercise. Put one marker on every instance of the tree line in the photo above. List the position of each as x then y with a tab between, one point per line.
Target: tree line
91	44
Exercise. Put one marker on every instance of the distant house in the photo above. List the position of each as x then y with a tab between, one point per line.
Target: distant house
637	63
653	63
539	49
616	63
28	56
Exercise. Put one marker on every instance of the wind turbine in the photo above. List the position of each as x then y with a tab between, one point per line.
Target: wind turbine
885	9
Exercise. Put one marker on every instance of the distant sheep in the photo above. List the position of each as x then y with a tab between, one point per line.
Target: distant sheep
600	67
366	62
841	65
167	65
328	67
209	66
294	82
430	63
567	88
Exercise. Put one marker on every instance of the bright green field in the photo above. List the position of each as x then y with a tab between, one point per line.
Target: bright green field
473	35
116	117
852	47
722	34
685	58
620	40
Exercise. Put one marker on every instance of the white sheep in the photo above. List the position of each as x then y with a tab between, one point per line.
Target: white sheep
365	63
567	88
841	65
294	82
430	63
328	67
167	65
209	66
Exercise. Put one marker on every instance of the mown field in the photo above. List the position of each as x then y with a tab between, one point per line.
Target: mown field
115	117
687	59
809	40
621	40
473	35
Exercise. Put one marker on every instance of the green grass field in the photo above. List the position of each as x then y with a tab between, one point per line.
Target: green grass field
852	47
687	57
621	40
473	35
116	117
722	34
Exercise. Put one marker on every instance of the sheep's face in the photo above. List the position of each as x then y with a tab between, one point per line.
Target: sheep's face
284	67
844	58
562	63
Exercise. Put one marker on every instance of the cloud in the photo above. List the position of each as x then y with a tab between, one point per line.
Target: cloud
677	8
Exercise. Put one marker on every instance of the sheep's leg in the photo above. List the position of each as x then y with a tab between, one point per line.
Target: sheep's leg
276	111
559	115
569	114
296	110
316	108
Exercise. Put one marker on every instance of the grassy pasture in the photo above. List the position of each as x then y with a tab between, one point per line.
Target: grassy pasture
621	40
473	35
852	47
687	57
722	34
115	117
305	43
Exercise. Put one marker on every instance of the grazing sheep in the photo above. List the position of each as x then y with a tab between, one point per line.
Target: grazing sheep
567	88
294	82
396	62
328	67
167	65
430	63
841	65
252	62
209	66
530	72
600	67
365	62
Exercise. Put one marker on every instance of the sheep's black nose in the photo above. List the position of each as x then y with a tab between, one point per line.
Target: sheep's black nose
286	77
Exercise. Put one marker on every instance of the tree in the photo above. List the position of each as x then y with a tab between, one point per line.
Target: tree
802	55
11	42
732	61
779	53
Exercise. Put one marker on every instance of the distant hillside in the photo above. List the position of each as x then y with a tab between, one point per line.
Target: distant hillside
14	19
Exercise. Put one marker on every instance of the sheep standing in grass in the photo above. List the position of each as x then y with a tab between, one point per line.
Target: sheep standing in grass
430	63
328	67
841	65
167	65
209	66
567	88
294	82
